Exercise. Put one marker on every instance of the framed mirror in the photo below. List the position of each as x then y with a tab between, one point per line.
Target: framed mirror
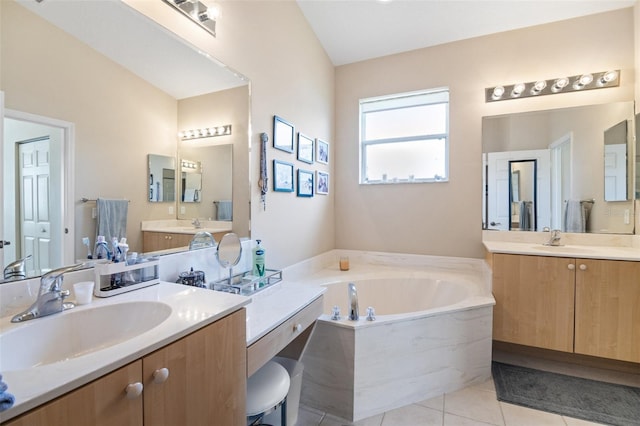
162	178
568	146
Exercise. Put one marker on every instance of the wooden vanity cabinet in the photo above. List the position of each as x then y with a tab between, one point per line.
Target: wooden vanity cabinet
534	301
102	402
206	385
608	309
155	241
586	306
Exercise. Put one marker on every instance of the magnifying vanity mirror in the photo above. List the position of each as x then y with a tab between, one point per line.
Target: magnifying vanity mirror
120	87
537	163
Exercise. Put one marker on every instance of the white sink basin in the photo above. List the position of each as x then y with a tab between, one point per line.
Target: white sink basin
74	333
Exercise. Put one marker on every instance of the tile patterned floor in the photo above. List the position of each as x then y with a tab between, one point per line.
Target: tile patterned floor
475	405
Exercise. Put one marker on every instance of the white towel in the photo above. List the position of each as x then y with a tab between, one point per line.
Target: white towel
574	217
111	218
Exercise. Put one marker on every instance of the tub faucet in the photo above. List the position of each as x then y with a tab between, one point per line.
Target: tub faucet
50	298
554	239
353	303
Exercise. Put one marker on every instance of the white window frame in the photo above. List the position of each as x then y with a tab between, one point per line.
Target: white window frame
404	100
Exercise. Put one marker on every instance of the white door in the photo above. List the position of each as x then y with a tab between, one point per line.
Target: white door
615	172
35	212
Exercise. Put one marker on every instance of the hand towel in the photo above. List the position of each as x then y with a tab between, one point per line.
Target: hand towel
224	210
6	401
574	217
112	218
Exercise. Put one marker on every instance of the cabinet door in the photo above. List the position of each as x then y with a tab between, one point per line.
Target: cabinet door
102	402
207	377
534	301
608	309
153	241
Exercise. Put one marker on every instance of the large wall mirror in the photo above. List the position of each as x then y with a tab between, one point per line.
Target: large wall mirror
568	184
120	87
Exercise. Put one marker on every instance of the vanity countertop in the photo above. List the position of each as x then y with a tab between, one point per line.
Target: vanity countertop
191	309
569	250
185	226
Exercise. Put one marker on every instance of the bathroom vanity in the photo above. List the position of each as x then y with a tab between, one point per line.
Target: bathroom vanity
577	299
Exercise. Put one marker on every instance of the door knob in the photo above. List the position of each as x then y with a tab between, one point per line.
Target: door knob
583	267
494	223
4	243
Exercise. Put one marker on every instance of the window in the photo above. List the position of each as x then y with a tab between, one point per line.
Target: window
405	138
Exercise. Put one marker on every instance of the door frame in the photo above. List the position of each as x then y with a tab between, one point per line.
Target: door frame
67	175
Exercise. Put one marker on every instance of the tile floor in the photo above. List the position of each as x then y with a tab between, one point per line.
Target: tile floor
474	405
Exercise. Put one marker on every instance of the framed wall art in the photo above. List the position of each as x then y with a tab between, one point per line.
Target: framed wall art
283	134
305	148
322	151
305	183
322	182
282	176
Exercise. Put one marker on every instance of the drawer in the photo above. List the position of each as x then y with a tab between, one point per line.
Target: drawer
260	352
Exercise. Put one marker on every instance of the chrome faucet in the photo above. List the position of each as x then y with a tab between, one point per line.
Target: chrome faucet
196	223
50	298
353	303
15	270
554	239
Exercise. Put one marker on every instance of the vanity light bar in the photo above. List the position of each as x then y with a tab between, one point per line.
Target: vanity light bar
186	164
206	132
203	15
575	83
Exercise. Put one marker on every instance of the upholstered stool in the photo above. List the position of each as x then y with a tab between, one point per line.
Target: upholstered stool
267	390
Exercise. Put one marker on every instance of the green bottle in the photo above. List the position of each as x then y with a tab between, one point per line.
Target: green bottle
258	260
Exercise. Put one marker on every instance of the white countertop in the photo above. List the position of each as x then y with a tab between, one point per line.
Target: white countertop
191	308
578	251
274	305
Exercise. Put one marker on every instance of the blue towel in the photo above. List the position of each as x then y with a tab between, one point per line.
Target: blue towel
224	210
6	401
3	386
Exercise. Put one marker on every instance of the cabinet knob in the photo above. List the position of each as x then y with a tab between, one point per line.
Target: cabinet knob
297	328
571	266
583	267
134	390
160	375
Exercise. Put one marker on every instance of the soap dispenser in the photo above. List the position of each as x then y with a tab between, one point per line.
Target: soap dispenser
258	260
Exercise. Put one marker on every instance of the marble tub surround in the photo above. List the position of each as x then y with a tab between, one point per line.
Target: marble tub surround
356	370
592	246
191	308
180	226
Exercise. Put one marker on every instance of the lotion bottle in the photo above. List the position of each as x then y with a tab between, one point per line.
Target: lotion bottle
258	260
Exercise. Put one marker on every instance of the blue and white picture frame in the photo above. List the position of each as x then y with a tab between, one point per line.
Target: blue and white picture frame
305	183
322	151
282	176
305	148
322	182
283	134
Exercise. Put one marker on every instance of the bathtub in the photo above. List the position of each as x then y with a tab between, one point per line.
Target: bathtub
431	334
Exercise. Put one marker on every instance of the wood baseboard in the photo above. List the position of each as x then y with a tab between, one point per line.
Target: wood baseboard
566	357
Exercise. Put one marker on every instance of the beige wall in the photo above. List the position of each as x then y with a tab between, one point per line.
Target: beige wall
445	218
47	72
291	76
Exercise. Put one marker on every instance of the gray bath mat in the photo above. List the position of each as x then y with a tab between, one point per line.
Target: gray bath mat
571	396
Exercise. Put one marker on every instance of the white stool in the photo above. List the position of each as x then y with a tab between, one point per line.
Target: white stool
267	390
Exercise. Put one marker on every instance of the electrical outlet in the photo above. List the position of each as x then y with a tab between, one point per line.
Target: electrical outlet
183	209
170	209
626	216
94	213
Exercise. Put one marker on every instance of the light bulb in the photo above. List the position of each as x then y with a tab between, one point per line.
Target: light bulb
584	80
498	91
538	87
559	84
607	78
517	90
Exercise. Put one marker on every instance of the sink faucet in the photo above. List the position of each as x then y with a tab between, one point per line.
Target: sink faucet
15	270
196	223
353	303
50	298
554	239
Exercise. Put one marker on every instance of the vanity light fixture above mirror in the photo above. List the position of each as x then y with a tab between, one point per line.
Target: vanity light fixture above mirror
575	83
206	132
205	15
